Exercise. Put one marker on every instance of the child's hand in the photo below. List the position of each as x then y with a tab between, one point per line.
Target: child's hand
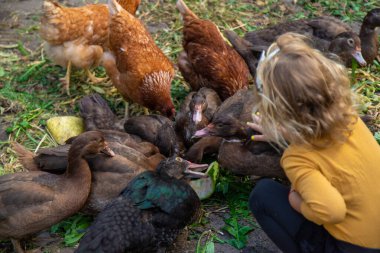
295	200
255	125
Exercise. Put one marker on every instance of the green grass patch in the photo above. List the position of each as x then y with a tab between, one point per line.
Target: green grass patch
72	229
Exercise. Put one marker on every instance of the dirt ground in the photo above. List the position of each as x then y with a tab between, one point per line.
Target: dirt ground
17	15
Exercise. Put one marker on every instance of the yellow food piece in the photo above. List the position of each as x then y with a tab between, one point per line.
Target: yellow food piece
62	128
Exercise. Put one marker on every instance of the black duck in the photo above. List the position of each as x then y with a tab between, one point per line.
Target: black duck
149	213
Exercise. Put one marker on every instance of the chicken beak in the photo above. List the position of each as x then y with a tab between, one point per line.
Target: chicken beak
197	116
195	174
357	54
106	150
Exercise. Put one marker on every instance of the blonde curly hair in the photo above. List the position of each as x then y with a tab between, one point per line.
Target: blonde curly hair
306	98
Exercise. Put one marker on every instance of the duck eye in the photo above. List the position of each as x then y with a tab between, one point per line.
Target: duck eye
178	159
350	42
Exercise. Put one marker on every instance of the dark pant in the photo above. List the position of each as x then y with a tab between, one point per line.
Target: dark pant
287	228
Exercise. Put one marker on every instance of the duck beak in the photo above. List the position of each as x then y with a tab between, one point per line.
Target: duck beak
357	54
197	116
190	173
197	167
202	133
106	150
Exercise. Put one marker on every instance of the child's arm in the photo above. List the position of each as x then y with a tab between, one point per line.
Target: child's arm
316	198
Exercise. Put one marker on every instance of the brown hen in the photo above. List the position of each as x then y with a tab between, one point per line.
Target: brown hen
137	67
207	60
77	35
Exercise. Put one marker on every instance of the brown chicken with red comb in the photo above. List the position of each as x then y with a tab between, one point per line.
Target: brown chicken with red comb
207	60
137	67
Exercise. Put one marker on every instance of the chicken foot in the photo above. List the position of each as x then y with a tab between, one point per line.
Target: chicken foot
93	79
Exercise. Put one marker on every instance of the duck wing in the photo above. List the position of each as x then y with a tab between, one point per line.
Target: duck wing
328	28
176	201
53	160
97	114
119	228
156	129
267	36
145	126
24	194
239	106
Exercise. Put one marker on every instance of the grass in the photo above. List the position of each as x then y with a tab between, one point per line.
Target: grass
31	93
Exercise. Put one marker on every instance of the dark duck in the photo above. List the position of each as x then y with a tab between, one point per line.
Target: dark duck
97	115
156	129
328	34
149	213
33	201
369	36
109	174
237	152
196	113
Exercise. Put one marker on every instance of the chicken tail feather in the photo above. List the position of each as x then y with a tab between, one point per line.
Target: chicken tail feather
25	157
114	7
50	8
185	11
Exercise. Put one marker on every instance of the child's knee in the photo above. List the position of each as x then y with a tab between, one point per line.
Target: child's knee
258	196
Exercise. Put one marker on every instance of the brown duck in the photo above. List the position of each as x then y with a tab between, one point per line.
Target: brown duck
195	113
237	152
369	36
156	129
109	174
33	201
328	34
97	115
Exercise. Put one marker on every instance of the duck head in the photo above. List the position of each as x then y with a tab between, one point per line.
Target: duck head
372	19
347	45
89	143
176	167
225	126
198	105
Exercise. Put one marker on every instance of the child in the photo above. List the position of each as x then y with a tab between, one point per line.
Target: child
331	158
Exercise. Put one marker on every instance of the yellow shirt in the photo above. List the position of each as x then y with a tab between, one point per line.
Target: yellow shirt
340	186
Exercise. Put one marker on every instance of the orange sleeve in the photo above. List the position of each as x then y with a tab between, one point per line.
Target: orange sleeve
322	203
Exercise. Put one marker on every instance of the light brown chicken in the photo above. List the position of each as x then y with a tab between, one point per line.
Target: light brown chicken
77	35
137	67
207	60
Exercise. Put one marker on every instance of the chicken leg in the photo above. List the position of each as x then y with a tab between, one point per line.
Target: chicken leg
126	112
17	246
66	79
